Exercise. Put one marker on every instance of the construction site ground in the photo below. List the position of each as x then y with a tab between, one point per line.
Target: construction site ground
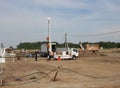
101	70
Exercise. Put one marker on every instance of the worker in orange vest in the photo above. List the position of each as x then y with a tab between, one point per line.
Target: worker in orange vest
58	58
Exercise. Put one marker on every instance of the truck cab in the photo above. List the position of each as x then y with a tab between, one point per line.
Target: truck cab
74	53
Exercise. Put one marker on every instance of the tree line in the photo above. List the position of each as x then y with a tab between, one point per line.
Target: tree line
36	45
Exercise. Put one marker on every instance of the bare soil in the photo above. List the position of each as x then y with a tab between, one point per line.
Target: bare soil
96	71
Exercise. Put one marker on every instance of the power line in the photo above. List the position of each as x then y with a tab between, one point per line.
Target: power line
101	34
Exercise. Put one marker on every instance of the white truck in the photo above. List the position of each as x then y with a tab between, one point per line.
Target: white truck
70	53
44	49
7	52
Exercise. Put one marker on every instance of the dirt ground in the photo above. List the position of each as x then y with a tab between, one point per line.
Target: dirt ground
96	71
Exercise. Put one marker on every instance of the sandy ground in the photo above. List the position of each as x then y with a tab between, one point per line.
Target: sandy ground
85	72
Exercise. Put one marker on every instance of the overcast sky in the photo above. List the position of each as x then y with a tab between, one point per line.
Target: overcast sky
26	20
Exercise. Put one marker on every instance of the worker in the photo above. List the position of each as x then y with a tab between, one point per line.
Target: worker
58	59
36	55
18	57
49	55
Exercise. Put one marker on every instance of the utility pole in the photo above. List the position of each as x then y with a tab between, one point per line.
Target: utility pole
66	43
49	37
2	46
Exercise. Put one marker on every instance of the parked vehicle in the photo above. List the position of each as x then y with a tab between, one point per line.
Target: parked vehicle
71	53
67	53
92	47
7	52
44	49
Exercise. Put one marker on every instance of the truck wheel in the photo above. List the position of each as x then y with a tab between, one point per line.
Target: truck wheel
74	58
